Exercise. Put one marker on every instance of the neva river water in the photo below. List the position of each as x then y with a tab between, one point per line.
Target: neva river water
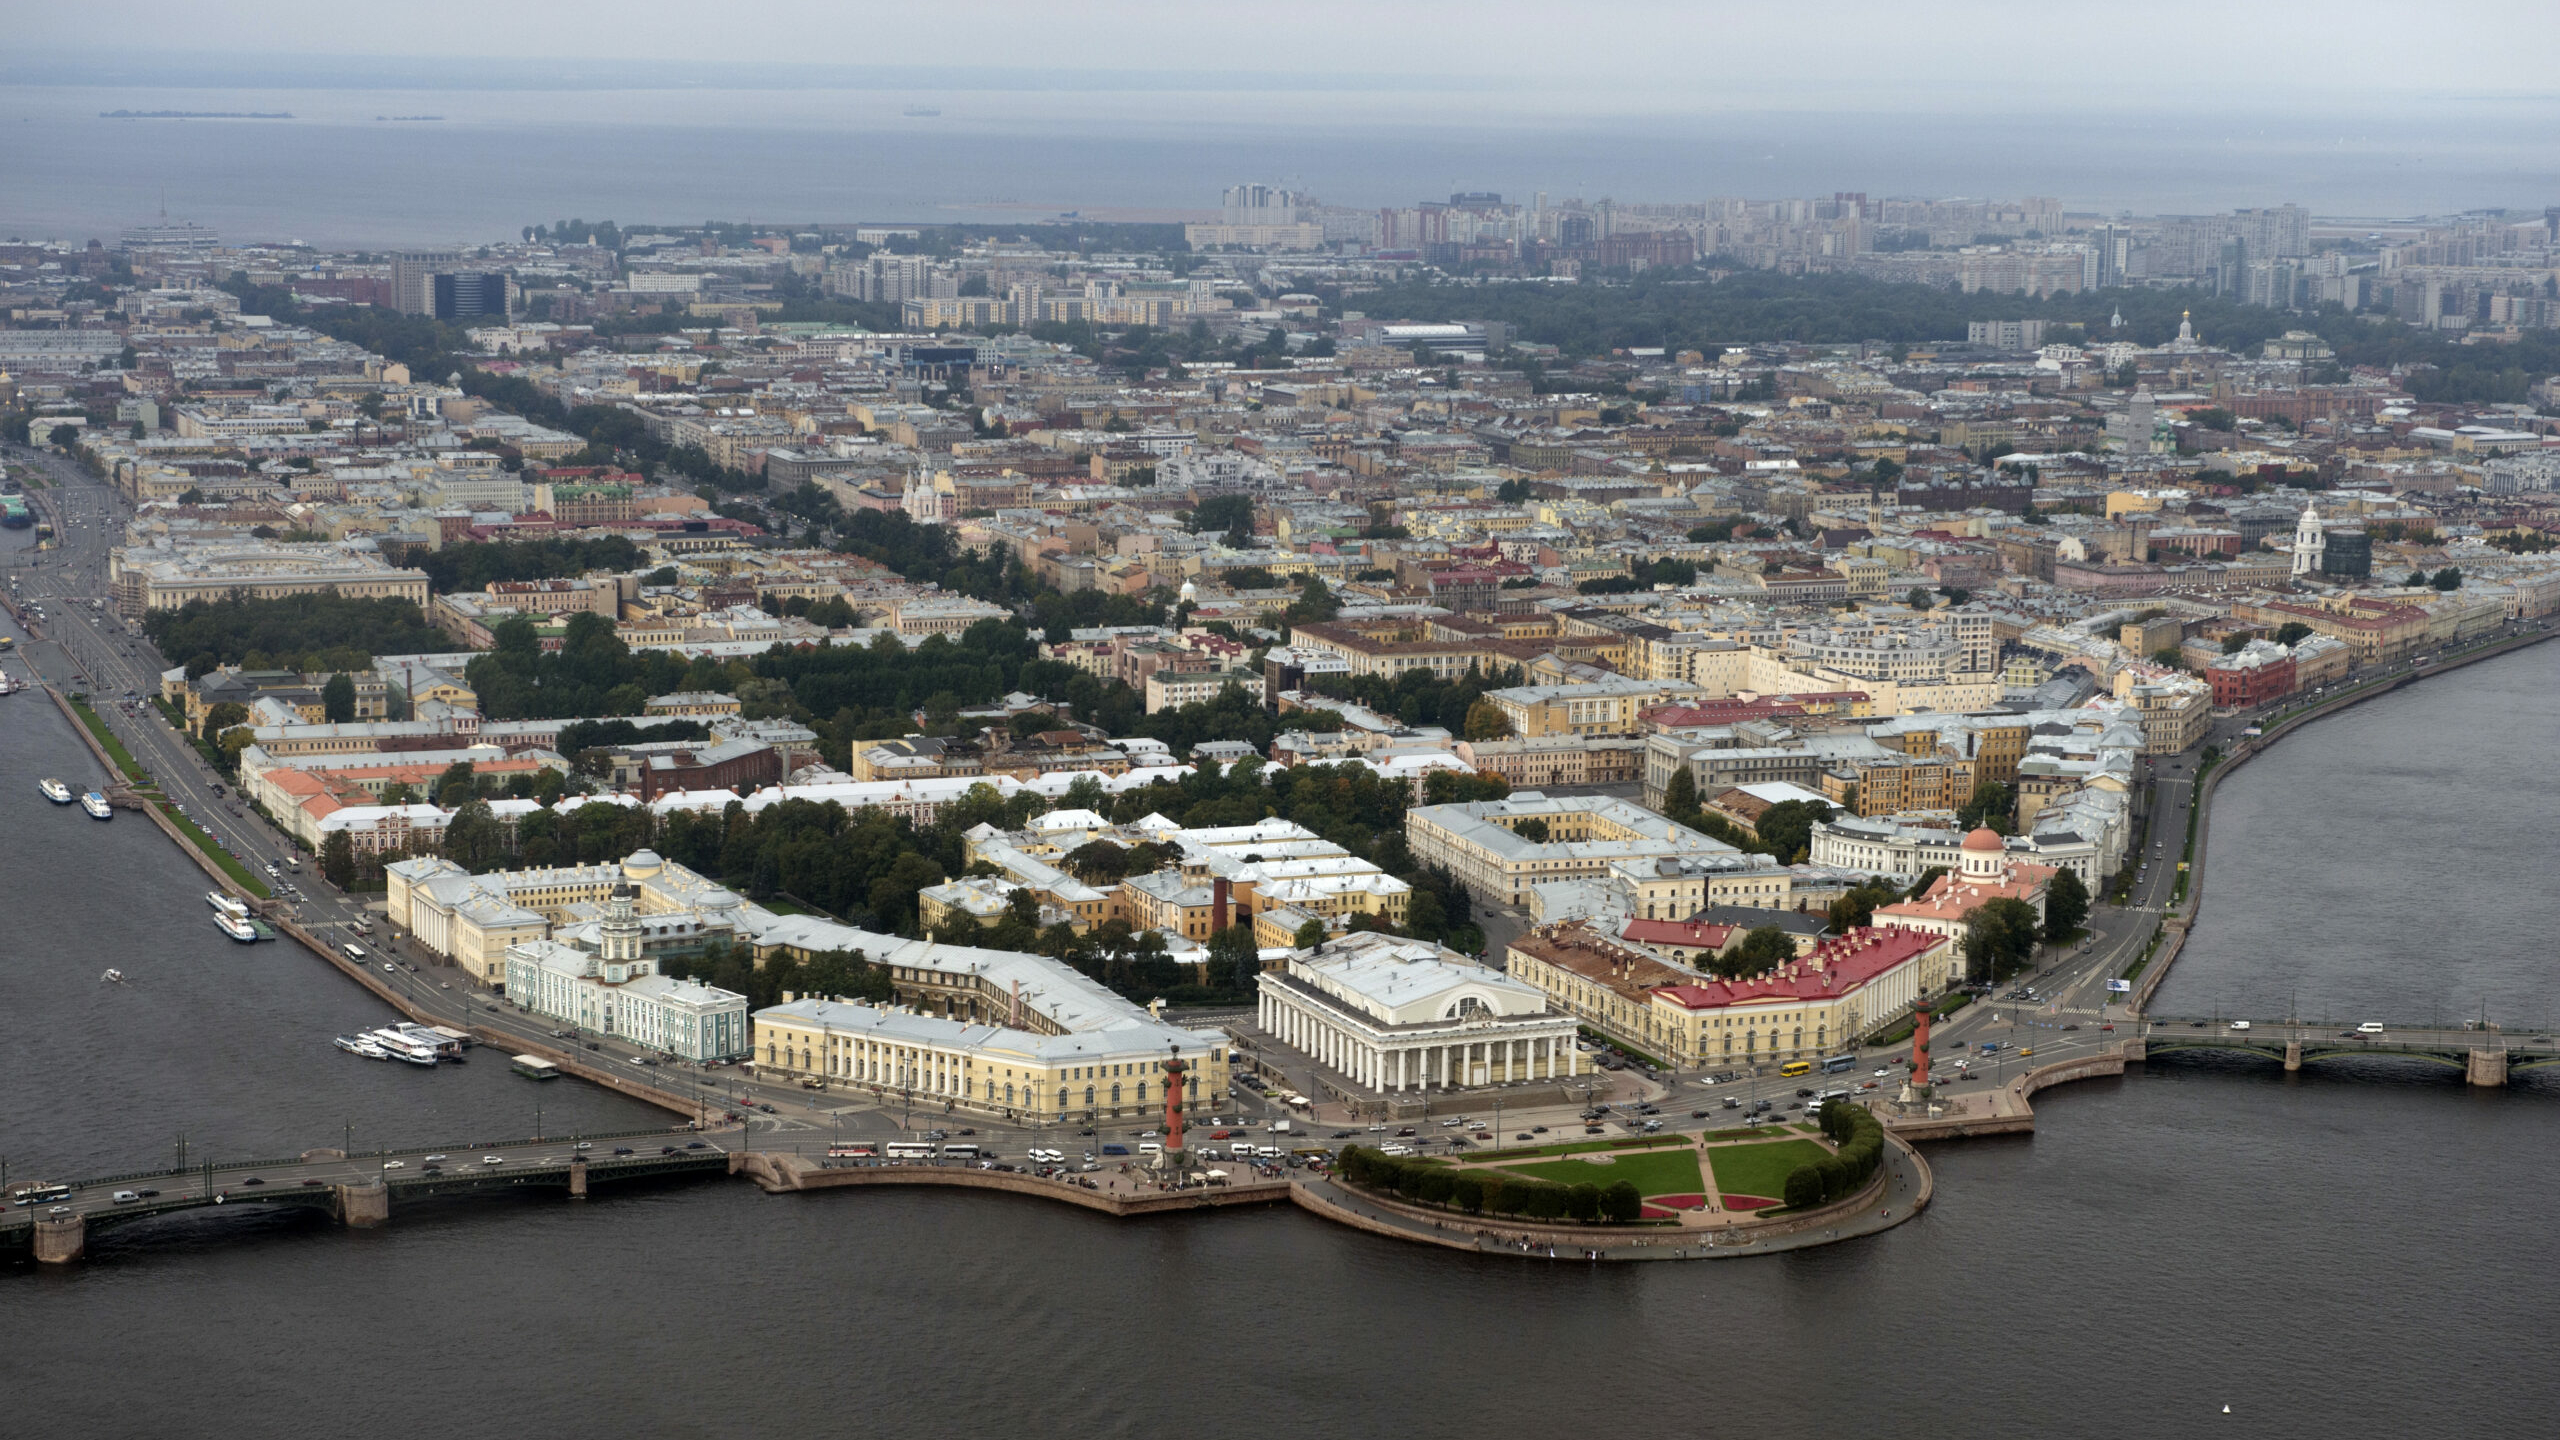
2327	1254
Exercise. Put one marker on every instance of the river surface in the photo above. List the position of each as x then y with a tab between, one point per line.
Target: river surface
2327	1253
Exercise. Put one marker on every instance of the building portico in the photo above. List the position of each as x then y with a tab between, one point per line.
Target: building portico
1401	1017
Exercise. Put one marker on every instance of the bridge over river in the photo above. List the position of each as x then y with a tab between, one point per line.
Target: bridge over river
358	1189
2485	1054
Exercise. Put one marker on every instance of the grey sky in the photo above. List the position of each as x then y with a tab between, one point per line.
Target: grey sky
1620	54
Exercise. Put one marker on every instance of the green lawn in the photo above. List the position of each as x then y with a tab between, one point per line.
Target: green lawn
133	771
1654	1172
1577	1147
1760	1169
247	879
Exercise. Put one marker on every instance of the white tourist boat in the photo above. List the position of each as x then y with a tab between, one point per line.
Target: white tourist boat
56	791
227	904
95	802
235	927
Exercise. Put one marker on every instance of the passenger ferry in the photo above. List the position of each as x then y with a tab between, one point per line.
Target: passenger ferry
56	791
228	905
362	1046
235	927
95	802
400	1046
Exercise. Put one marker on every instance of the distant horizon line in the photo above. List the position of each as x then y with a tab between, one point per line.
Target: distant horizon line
80	67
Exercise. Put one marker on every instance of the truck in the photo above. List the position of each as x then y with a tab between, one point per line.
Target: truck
1279	1127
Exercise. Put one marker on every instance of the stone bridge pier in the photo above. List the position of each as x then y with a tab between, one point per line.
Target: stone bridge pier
61	1239
364	1206
2293	1054
578	1178
2486	1067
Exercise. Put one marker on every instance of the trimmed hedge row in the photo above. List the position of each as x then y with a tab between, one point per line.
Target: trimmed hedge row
1490	1192
1860	1137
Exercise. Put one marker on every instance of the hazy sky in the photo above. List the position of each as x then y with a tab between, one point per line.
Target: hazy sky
1704	55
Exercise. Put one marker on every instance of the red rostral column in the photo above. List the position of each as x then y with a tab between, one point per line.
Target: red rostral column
1920	1045
1173	1069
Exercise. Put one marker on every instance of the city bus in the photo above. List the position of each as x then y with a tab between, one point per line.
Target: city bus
959	1152
854	1150
908	1150
1838	1063
40	1193
1794	1068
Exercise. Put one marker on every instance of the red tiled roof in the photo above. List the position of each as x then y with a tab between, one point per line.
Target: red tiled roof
1836	967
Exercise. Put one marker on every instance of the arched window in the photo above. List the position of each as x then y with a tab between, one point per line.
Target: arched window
1468	1005
1088	1097
1115	1094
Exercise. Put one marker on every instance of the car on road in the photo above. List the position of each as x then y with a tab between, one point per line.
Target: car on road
493	1159
2239	1024
621	1149
2370	1027
1880	1074
1404	1132
584	1145
695	1145
146	1193
126	1197
253	1180
395	1164
433	1159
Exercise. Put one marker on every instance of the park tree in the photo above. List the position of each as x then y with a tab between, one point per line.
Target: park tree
2066	904
456	784
473	838
338	859
1990	805
222	717
1533	830
1680	796
1309	936
1763	949
1097	862
338	699
1999	939
1786	828
1485	721
399	793
1858	906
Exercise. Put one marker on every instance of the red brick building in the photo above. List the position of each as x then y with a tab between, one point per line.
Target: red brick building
2253	675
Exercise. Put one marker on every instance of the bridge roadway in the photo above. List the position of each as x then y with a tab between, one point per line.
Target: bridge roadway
2485	1055
358	1188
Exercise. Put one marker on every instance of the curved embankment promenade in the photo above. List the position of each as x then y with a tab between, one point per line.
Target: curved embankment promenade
1901	1188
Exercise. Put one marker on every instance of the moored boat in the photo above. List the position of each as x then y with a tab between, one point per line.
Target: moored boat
227	904
95	802
56	791
235	927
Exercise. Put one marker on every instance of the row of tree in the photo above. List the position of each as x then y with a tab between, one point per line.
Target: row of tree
1859	1140
1490	1190
311	633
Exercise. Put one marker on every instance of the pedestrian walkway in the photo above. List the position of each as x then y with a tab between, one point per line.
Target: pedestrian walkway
1906	1192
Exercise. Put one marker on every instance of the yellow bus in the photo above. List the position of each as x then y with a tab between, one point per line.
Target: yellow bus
1796	1067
